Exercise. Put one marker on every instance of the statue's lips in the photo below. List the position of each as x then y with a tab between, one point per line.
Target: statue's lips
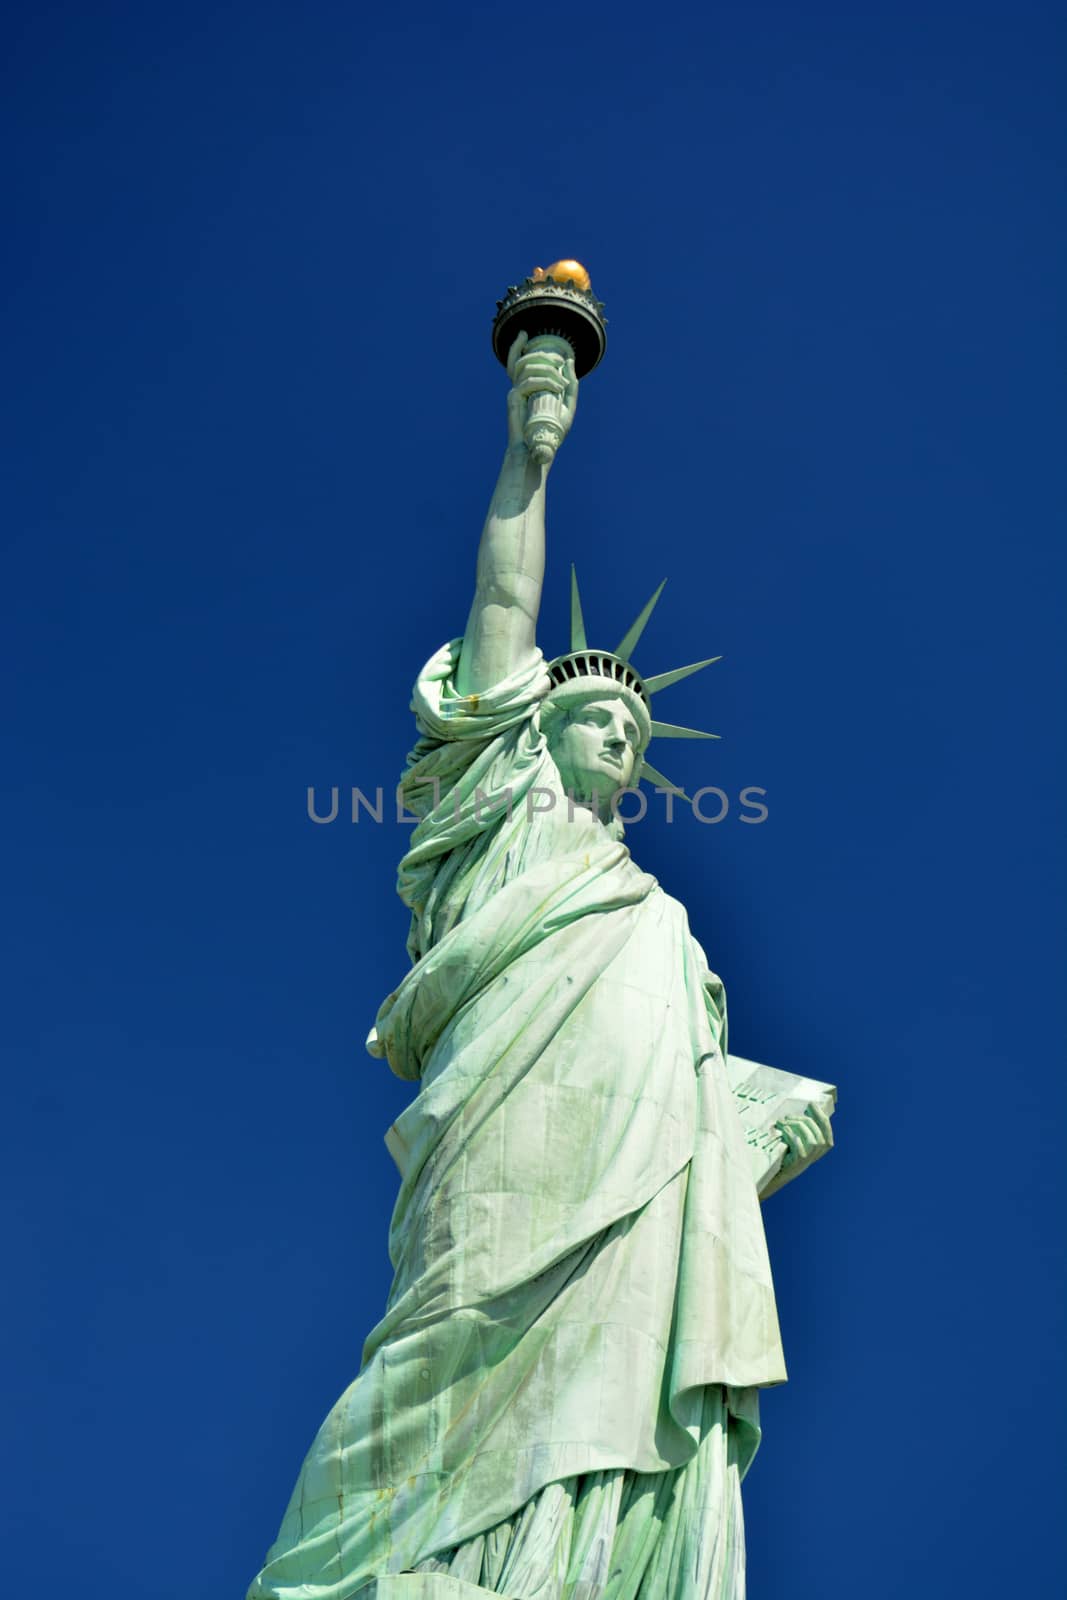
613	763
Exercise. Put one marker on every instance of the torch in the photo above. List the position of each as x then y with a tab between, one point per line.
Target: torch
558	311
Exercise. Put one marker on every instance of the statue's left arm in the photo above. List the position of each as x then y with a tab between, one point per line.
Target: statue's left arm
806	1138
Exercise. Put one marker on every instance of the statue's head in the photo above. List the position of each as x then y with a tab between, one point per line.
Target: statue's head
597	714
596	740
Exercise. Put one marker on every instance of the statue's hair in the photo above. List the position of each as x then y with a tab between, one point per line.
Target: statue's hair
566	698
554	718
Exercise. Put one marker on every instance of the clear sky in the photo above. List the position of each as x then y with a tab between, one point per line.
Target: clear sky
252	421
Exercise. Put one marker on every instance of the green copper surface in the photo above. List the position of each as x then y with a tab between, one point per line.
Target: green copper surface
561	1397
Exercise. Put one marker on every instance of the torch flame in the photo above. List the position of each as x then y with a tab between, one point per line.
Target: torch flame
562	272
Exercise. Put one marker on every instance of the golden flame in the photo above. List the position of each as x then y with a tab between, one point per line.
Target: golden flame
561	271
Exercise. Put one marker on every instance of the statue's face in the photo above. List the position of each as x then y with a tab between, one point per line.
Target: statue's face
596	749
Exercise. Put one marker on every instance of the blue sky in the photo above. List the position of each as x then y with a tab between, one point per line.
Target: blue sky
253	421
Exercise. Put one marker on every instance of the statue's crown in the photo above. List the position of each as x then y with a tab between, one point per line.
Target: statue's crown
581	664
582	673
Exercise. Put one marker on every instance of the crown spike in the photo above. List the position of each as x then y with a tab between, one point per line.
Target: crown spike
670	730
658	781
663	680
628	643
578	640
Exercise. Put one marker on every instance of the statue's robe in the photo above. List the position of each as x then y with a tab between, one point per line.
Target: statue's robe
582	1310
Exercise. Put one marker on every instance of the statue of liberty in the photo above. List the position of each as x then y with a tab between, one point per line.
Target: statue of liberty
561	1399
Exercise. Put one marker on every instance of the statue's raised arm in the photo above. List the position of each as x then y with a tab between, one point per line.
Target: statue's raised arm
500	634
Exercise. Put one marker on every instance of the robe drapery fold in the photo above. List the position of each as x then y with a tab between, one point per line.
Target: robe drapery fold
578	1250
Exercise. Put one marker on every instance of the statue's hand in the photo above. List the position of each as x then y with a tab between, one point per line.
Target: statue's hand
540	372
804	1137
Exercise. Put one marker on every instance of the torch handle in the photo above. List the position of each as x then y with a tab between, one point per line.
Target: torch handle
543	429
